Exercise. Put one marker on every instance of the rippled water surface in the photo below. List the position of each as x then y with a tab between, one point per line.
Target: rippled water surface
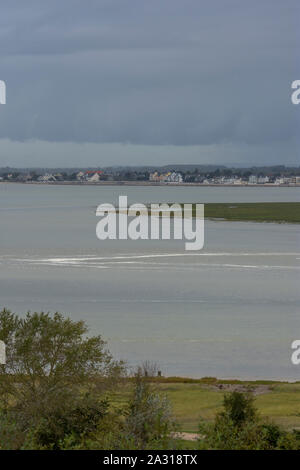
230	310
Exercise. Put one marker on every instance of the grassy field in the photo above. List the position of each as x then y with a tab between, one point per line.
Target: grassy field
281	212
195	401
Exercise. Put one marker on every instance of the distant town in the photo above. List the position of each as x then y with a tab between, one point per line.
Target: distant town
180	174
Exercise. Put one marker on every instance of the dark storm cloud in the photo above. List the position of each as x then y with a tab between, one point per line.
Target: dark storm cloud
154	73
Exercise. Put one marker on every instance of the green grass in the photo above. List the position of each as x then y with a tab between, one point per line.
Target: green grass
194	401
281	212
282	405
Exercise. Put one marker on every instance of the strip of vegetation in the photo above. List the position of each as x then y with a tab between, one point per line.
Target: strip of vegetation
281	212
214	381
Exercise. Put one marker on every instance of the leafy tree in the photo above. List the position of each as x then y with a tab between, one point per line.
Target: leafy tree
239	407
49	359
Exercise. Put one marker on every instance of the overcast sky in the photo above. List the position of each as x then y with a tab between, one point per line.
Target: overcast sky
110	82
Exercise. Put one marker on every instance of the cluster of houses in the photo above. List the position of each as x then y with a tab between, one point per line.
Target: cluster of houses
28	177
174	177
48	177
288	180
96	176
90	176
253	179
170	177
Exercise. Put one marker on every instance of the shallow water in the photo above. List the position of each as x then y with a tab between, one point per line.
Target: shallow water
230	310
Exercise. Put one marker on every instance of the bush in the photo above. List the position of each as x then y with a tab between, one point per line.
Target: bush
149	423
11	434
75	420
239	408
238	427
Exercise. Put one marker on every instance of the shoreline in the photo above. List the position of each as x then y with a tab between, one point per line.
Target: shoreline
224	380
150	183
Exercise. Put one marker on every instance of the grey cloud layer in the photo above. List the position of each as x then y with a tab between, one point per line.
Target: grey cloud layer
160	73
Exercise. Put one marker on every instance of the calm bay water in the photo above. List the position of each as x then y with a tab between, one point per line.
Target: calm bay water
231	310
